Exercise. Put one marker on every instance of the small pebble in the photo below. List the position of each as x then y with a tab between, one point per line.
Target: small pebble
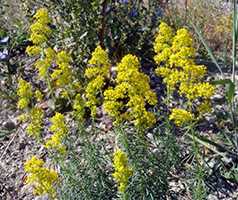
9	125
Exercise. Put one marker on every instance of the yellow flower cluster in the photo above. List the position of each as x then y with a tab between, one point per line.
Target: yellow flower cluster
40	31
42	178
38	95
180	116
78	107
63	73
24	92
35	116
175	59
163	42
97	72
122	171
59	130
194	91
128	99
33	50
176	63
43	64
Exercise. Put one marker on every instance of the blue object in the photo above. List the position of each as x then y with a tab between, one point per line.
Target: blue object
3	55
4	40
133	12
124	1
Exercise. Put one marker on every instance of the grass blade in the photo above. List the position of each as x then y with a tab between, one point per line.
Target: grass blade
198	32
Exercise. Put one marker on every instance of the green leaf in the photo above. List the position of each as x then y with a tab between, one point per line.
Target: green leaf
4	133
209	51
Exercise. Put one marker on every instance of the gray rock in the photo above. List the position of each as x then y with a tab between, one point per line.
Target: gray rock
211	197
9	125
45	197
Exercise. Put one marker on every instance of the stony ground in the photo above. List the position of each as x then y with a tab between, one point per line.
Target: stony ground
16	147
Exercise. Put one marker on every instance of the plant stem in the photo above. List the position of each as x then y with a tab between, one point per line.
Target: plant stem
50	88
234	55
200	36
234	40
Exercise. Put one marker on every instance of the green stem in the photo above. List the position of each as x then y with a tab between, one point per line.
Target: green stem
234	40
50	88
198	32
234	55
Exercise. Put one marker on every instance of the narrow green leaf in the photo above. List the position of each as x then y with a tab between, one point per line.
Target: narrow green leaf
200	36
231	92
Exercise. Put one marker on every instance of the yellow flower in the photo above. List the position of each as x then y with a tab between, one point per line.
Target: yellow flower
173	79
33	164
36	117
78	107
175	59
180	116
205	90
40	28
193	91
163	38
97	72
164	56
188	90
37	38
43	67
181	40
138	112
128	99
163	71
55	143
23	117
113	108
38	95
194	72
41	178
50	53
24	93
122	170
42	16
99	64
62	57
33	50
40	32
63	73
59	130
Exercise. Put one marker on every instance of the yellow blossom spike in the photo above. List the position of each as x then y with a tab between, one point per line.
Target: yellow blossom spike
36	116
122	171
24	93
42	16
97	72
59	130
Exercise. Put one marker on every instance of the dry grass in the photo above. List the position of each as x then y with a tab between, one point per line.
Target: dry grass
214	17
